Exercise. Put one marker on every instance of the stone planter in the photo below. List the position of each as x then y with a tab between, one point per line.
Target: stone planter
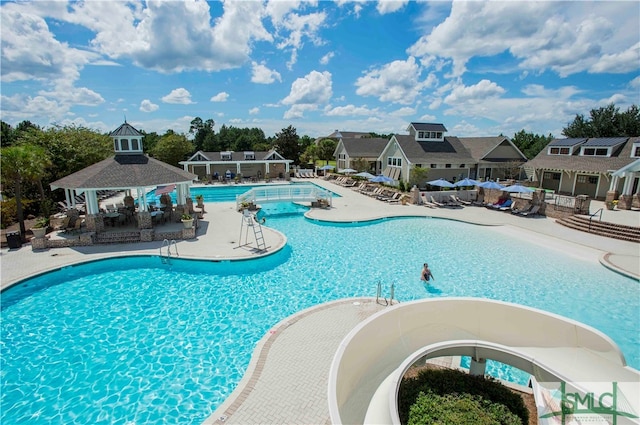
188	224
39	232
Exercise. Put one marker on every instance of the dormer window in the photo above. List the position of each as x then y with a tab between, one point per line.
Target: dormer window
249	156
225	155
595	151
635	150
559	151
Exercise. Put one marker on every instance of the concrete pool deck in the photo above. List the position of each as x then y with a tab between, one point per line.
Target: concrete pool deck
287	379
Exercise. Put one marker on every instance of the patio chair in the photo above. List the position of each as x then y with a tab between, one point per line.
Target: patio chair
453	202
532	211
436	203
395	199
521	210
426	203
462	201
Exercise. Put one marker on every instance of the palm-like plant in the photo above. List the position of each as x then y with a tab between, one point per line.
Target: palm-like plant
23	163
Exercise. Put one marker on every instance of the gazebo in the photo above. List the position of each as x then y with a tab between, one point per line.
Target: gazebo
129	170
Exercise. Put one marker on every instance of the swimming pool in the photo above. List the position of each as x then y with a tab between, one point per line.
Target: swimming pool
133	340
224	193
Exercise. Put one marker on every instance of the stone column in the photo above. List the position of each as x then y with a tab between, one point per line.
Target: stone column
144	220
94	223
583	202
415	195
625	202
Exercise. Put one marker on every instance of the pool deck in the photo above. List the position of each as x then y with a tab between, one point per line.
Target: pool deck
286	381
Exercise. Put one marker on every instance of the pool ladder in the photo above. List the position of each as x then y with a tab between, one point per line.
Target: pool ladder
391	295
167	258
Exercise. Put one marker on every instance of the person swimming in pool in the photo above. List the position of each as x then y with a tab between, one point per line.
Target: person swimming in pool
426	274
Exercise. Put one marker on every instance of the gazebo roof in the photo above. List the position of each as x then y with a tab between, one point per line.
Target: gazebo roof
125	130
123	172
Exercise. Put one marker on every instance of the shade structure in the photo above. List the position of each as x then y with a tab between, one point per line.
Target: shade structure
441	183
517	188
348	170
381	179
491	185
161	190
327	167
467	182
365	175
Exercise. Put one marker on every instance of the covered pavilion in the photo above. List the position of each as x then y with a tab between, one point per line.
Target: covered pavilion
128	170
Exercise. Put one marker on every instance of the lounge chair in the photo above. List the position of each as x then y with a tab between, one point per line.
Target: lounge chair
453	202
395	199
426	203
532	211
462	201
502	203
436	203
509	207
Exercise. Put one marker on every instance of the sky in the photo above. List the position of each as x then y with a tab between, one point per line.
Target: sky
480	68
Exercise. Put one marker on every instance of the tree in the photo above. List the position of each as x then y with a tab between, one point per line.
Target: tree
360	164
326	149
287	144
530	144
310	154
173	148
202	131
22	163
418	177
149	140
606	121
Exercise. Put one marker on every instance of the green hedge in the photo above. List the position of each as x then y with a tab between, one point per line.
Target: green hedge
459	409
447	381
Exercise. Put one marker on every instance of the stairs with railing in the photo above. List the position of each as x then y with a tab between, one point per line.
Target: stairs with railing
591	225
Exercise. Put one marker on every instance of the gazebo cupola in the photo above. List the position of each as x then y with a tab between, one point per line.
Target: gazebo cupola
127	140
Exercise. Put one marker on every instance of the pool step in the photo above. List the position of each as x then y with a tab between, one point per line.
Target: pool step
602	228
118	237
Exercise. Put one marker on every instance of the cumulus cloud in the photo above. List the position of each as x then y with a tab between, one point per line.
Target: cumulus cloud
349	110
620	62
390	6
180	95
260	74
300	27
220	97
327	58
565	37
314	88
475	93
403	112
254	111
397	82
148	106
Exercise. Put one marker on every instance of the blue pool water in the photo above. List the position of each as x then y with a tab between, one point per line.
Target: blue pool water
135	341
226	193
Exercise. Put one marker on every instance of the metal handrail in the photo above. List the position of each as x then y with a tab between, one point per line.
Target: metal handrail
593	215
294	192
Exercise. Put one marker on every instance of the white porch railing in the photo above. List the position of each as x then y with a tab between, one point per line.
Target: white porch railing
288	193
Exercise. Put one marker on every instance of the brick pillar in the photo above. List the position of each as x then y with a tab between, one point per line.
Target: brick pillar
625	202
537	198
583	203
611	196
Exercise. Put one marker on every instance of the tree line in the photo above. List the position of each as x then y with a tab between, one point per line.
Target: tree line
33	157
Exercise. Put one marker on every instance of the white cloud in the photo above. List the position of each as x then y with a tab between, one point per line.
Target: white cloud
390	6
254	111
147	106
297	111
349	110
635	83
427	118
260	74
621	62
403	112
475	93
180	95
327	58
396	82
220	97
566	37
313	88
299	27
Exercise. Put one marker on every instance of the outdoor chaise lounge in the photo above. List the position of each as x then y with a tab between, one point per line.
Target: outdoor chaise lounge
436	203
462	201
532	211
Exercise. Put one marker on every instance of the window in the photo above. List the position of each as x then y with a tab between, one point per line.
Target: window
551	176
124	144
447	166
595	152
135	146
399	164
421	135
418	165
593	180
225	155
439	134
461	165
433	166
554	151
389	161
636	151
115	145
564	151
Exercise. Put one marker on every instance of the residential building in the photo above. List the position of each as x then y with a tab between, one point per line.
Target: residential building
228	164
352	150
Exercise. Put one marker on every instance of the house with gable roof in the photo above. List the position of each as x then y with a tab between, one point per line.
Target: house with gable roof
368	149
598	167
451	158
228	164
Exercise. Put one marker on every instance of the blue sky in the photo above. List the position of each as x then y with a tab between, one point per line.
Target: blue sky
480	68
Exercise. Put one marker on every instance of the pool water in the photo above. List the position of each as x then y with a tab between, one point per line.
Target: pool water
135	341
226	193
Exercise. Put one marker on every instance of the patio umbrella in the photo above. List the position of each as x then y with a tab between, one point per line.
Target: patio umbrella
491	185
381	179
327	167
441	183
365	175
517	188
467	182
348	170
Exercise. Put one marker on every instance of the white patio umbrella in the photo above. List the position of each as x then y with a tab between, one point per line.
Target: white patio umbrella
467	182
441	183
365	175
491	185
517	188
348	170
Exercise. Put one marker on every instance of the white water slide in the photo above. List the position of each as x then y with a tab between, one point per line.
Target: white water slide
371	360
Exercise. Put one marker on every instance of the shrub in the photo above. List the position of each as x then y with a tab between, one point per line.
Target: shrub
448	381
186	217
459	409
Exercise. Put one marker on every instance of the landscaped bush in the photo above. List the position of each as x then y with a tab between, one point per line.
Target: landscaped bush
447	381
459	409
